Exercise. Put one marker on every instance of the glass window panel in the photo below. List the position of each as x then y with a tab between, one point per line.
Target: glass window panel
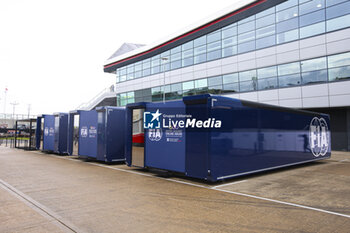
338	23
289	80
122	78
166	88
314	64
117	79
312	18
312	30
165	67
214	46
138	66
187	61
287	36
265	42
246	19
246	47
146	72
230	78
314	76
250	26
267	72
130	68
187	53
176	64
189	92
339	60
231	87
130	94
286	5
138	93
146	64
200	58
217	89
311	6
266	31
246	37
229	51
287	25
340	73
214	36
247	75
138	74
176	87
155	61
287	14
334	2
229	41
265	12
188	85
156	90
229	32
200	41
155	70
338	10
188	45
123	71
201	83
267	83
214	55
175	50
265	21
248	86
165	54
291	68
130	76
175	57
200	50
213	81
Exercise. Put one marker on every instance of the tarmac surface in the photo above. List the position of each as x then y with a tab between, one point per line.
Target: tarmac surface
50	193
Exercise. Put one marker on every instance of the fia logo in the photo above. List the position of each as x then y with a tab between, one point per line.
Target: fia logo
46	131
155	134
84	132
151	120
319	136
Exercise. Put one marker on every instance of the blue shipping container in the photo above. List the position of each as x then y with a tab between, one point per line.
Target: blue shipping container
102	134
215	137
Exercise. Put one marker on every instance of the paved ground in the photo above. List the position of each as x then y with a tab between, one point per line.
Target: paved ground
48	193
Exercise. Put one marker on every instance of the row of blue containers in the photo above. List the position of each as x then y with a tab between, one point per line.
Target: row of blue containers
100	134
207	137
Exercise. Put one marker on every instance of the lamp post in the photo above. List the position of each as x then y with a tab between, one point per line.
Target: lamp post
164	59
13	113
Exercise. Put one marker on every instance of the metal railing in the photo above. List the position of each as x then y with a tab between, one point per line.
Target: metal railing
107	92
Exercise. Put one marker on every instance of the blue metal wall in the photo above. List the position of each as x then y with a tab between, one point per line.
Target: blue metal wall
88	135
49	133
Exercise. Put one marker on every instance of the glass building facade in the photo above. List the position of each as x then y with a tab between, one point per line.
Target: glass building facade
289	21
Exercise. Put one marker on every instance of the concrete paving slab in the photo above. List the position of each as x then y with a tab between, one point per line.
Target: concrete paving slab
98	198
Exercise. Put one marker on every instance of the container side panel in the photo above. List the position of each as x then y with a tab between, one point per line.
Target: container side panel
165	147
88	134
197	143
128	136
49	133
258	138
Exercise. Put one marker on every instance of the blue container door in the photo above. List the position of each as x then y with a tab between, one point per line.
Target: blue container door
88	134
57	133
49	133
70	133
115	139
63	133
38	133
165	147
101	132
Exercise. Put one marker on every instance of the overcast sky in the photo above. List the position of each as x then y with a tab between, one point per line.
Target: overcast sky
52	51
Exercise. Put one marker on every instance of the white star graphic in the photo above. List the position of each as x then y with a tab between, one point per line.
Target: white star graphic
156	115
